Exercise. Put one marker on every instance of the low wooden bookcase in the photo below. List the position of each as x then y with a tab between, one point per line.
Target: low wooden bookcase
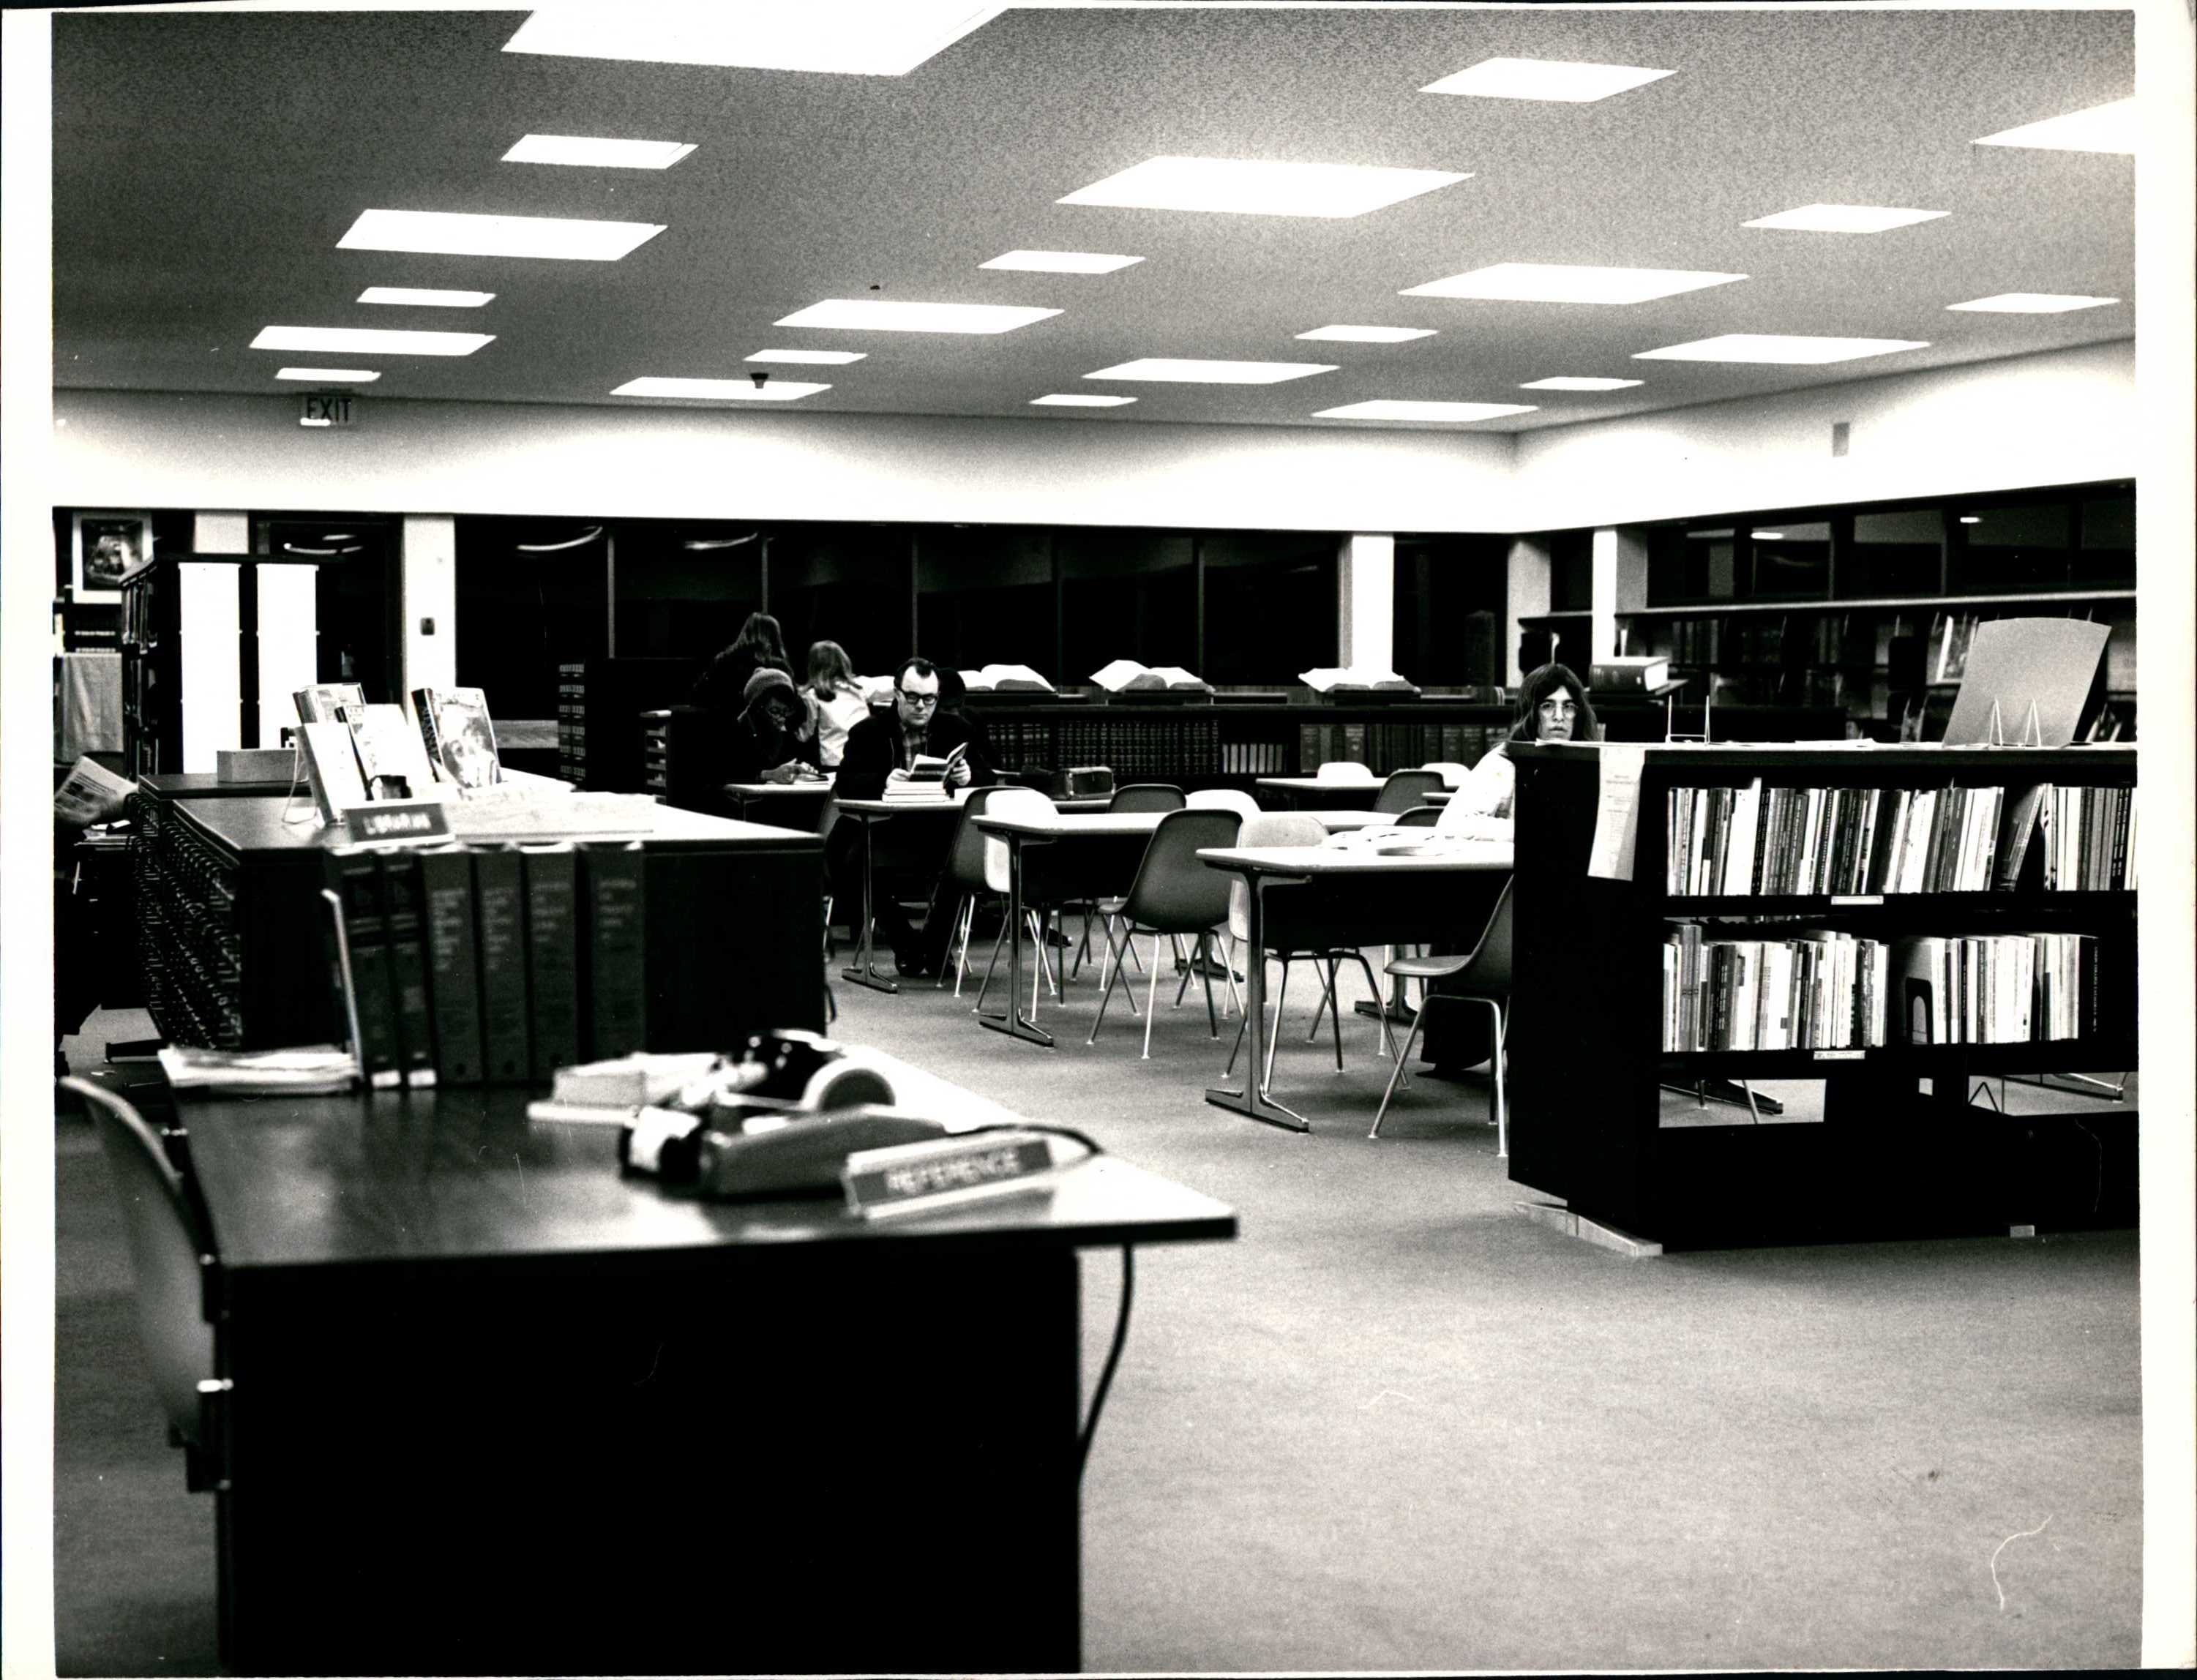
1906	1144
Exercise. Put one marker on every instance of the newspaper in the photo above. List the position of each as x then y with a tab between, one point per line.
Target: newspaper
89	794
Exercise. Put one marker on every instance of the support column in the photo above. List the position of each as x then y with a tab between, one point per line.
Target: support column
1602	637
1365	603
1527	584
218	533
428	588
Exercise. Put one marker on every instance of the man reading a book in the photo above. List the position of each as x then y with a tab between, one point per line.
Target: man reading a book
881	751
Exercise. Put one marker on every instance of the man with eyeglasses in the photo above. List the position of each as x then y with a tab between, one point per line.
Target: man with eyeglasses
879	750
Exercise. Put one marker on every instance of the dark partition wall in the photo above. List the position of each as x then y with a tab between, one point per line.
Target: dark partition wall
1270	605
1452	610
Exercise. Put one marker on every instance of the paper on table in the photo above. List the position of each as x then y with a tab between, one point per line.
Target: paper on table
1617	820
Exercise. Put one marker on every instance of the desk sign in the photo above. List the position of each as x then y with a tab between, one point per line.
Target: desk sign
397	820
908	1177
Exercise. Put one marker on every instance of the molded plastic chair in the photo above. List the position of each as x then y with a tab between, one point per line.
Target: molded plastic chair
1406	788
171	1256
1419	816
1174	893
1223	799
1344	770
1483	977
1146	796
1015	801
1452	774
964	868
1291	828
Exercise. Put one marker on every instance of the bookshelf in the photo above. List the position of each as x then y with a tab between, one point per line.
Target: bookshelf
1899	1148
600	743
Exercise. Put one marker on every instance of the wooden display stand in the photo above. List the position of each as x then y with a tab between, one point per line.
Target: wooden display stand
1899	1150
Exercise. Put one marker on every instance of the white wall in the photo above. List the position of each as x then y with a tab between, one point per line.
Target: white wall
2065	417
125	449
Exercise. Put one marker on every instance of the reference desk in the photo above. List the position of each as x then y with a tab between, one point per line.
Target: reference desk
1306	897
497	1409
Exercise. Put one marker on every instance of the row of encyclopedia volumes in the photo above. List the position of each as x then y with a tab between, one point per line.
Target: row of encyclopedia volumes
1724	841
1830	990
488	965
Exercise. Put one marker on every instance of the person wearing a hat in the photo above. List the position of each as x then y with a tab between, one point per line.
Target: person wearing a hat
768	741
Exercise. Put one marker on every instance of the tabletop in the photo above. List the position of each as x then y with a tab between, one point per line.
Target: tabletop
1320	860
780	790
886	807
463	1176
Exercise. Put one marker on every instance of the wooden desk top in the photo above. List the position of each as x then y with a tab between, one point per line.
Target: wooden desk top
463	1177
1306	861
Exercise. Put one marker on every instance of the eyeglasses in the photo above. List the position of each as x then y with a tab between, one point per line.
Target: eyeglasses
916	700
1558	707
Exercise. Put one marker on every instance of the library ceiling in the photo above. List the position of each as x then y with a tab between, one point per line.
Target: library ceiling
219	175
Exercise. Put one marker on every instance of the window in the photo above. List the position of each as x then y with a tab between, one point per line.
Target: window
1792	556
1571	571
1696	564
1270	605
531	594
2020	546
685	590
1452	610
1896	552
848	584
2105	544
985	597
1126	594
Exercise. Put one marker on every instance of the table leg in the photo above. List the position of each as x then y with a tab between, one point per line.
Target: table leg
1398	1008
1013	1022
1252	1100
864	972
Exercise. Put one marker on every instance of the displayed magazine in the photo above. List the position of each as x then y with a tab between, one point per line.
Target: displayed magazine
318	702
458	734
389	755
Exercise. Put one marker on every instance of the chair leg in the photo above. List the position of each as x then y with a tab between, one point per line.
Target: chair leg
962	930
1502	1105
1274	1038
1205	969
1335	1011
1396	1073
1110	973
1151	995
1228	970
1388	1038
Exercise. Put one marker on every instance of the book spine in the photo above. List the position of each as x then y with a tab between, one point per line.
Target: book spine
617	987
552	957
446	883
356	877
407	967
505	1014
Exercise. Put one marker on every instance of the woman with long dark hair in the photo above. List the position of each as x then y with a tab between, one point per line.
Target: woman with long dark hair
1552	706
724	687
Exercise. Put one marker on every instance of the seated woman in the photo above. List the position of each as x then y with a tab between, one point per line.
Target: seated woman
1552	706
768	742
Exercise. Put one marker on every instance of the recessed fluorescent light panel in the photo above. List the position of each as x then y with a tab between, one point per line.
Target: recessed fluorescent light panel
875	315
2031	302
425	296
1845	218
1177	370
1060	261
833	358
1564	382
744	390
1069	399
330	375
587	151
371	340
1560	80
2102	128
1569	283
1369	335
850	38
451	233
1791	350
1396	409
1258	187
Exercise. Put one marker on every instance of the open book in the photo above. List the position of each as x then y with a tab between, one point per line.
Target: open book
1005	678
925	779
1127	676
1346	679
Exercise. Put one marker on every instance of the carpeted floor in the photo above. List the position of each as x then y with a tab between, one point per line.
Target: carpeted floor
1397	1426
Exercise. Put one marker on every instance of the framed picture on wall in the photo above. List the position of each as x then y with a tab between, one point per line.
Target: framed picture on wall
104	546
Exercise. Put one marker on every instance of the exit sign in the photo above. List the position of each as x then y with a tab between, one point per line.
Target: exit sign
326	408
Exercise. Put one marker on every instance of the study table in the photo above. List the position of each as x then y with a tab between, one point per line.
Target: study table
868	813
1321	793
1091	862
1339	898
797	805
498	1409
